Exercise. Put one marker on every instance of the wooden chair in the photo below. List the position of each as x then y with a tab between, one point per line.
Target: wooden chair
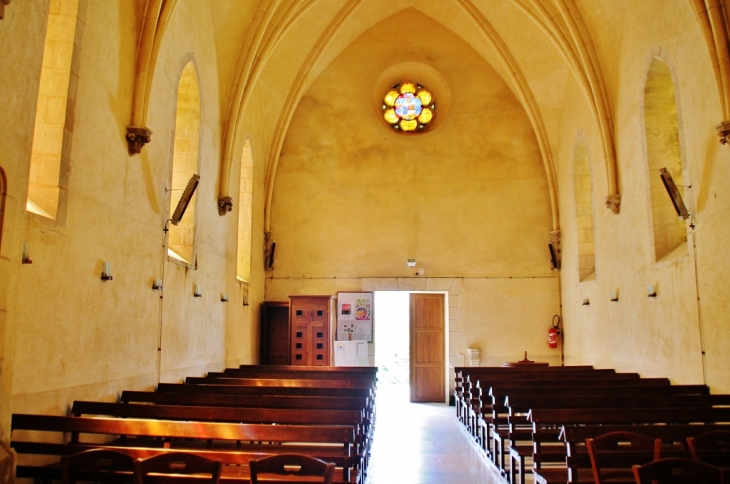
178	464
677	471
613	454
97	465
293	465
711	447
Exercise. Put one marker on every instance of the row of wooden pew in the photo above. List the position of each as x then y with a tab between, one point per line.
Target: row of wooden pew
233	416
541	416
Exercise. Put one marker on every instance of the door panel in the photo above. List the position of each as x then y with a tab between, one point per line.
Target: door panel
427	347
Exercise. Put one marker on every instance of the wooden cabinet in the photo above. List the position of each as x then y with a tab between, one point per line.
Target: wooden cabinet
275	335
309	323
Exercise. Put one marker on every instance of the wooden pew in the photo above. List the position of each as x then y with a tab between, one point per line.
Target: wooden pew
280	416
546	420
284	382
142	438
474	398
574	437
493	430
467	377
307	372
520	438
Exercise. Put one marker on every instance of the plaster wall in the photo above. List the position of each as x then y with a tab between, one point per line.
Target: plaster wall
93	338
353	199
666	335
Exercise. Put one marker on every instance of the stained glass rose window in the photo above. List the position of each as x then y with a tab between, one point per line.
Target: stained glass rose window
408	107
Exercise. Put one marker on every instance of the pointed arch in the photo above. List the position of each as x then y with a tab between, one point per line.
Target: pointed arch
185	156
583	195
663	150
245	213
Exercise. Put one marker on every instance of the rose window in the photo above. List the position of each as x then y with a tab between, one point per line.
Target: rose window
408	107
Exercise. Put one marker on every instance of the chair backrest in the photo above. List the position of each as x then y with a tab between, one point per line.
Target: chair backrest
96	465
711	447
677	471
613	454
294	465
181	464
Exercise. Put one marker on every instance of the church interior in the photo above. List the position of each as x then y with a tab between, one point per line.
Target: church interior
571	166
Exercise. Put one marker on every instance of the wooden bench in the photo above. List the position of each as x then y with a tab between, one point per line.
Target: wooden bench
492	428
521	445
143	438
574	437
320	373
545	421
280	416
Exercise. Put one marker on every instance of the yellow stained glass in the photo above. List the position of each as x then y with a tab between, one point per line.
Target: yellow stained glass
406	125
390	116
389	98
426	116
425	97
408	87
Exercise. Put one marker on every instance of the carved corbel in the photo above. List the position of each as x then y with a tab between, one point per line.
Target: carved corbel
723	131
225	205
137	137
2	8
614	202
555	249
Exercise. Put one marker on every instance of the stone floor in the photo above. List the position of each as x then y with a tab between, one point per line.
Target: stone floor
423	444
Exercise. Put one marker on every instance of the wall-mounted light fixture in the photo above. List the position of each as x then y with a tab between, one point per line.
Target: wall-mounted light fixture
411	262
614	296
26	253
197	292
224	297
106	274
586	301
650	292
157	285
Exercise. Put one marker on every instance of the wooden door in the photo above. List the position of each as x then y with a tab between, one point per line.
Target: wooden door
427	348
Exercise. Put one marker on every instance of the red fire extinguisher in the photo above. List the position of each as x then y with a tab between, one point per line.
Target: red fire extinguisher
553	333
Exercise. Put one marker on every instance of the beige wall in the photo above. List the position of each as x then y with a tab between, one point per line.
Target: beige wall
351	199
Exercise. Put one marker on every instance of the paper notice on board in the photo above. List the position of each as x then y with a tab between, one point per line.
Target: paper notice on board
347	312
351	353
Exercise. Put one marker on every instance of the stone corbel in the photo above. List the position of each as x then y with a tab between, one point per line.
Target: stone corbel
555	249
137	137
2	8
723	131
225	205
614	202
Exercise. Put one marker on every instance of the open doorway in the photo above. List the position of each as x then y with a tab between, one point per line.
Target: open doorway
410	341
391	337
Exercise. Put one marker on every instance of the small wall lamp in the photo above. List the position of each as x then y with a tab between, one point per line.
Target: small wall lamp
411	262
26	253
157	285
224	297
586	301
650	291
614	296
197	292
106	274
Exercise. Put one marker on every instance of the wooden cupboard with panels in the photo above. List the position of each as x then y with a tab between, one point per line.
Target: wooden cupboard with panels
310	321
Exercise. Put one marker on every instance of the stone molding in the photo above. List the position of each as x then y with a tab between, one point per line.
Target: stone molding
225	205
2	8
137	137
723	131
614	202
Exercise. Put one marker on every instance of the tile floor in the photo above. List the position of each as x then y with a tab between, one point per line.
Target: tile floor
423	444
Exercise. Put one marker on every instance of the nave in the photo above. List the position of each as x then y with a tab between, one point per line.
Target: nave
423	444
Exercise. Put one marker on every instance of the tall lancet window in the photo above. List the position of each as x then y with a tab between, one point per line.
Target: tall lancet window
583	191
245	214
181	244
53	128
663	151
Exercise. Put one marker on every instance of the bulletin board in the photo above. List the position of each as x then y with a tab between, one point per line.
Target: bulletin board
355	316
